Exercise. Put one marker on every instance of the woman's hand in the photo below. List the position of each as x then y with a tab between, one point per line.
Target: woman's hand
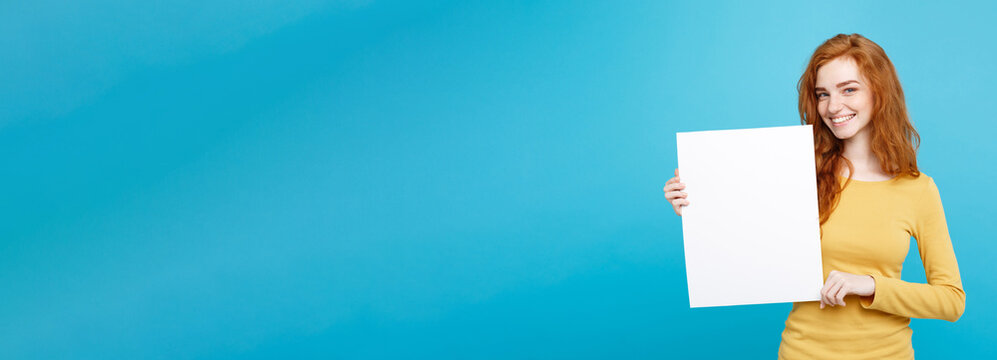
674	196
839	284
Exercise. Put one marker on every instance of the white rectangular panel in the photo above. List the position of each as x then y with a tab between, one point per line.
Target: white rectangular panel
751	230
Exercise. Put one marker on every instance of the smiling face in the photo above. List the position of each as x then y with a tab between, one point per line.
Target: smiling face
844	98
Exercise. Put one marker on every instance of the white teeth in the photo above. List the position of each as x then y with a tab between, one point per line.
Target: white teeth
842	119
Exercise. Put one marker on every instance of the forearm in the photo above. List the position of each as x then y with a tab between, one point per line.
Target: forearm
944	301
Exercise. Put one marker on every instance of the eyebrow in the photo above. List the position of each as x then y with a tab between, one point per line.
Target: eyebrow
840	84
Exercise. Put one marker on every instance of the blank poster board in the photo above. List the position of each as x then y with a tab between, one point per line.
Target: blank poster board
751	229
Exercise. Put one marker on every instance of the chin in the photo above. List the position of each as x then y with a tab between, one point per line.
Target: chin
843	135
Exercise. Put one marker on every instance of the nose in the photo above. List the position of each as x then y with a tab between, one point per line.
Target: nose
835	104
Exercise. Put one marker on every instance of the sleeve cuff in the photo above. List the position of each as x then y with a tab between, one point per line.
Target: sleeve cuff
872	302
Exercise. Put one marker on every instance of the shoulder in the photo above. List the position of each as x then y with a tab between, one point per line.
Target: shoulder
924	191
917	189
920	183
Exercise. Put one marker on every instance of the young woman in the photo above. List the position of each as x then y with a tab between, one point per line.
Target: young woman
872	199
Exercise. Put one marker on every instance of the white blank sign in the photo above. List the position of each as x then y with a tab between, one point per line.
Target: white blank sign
752	228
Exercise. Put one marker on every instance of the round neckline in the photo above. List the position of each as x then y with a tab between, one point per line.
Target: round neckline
870	182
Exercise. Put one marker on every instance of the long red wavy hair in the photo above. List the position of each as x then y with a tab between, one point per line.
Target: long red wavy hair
893	140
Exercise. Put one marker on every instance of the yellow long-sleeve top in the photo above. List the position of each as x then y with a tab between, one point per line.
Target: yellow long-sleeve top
868	233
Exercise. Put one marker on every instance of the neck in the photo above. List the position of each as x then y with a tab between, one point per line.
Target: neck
858	150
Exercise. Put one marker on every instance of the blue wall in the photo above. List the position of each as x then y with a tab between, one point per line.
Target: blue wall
222	179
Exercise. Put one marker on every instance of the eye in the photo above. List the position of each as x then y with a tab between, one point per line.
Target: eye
850	90
821	95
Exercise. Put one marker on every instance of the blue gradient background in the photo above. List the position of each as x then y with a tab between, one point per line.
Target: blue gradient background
223	179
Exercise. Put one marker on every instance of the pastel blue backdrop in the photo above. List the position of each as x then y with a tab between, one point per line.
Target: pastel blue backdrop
388	179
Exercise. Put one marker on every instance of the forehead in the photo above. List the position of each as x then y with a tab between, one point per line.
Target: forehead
838	70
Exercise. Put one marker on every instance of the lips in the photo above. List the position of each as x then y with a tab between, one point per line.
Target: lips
842	120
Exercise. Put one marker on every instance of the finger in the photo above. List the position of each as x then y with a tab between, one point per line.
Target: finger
833	275
839	296
829	296
833	291
824	297
672	195
672	180
825	294
676	172
678	204
674	186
